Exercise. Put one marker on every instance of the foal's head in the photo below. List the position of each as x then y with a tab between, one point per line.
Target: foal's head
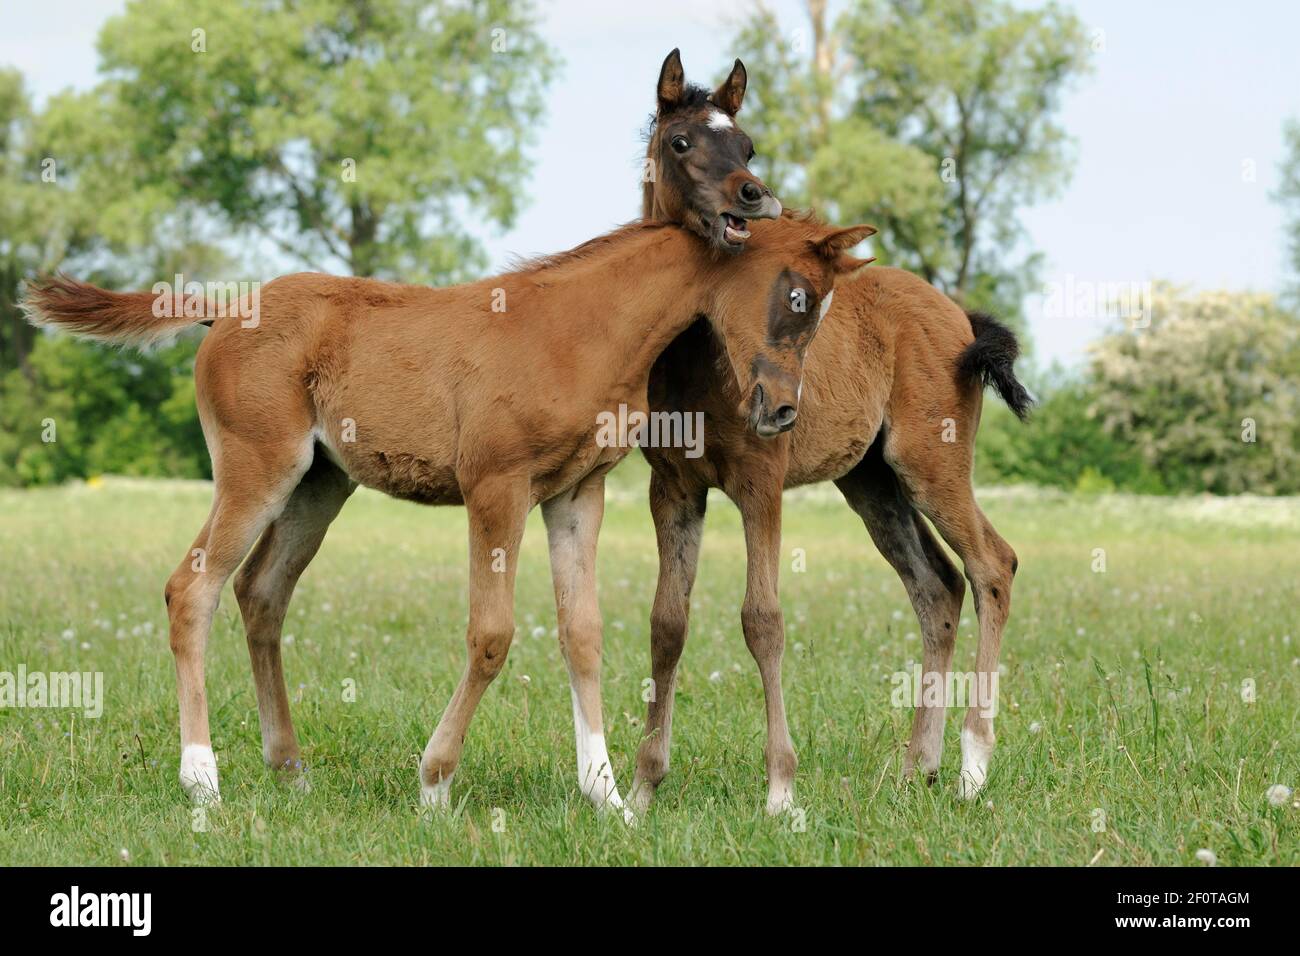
769	304
697	159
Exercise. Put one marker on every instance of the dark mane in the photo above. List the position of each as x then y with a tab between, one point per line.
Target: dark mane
692	98
587	250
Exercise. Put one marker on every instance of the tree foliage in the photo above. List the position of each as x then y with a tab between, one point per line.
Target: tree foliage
1204	399
1207	397
359	135
223	129
1288	195
933	119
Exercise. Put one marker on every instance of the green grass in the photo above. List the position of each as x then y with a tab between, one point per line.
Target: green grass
1198	595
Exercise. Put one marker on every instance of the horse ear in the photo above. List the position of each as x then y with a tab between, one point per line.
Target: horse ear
672	81
832	245
844	265
729	95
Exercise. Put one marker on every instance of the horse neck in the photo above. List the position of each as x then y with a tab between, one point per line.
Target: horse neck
653	287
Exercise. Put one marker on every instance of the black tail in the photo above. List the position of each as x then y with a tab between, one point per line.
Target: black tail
989	359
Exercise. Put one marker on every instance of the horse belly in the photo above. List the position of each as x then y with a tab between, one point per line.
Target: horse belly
401	444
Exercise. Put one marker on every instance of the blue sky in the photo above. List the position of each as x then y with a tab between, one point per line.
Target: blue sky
1184	94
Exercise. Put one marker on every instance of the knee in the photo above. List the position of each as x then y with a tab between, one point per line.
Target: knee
763	625
667	635
992	581
489	646
188	604
1006	566
581	641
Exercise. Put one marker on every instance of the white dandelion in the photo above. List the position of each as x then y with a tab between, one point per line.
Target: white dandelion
1278	794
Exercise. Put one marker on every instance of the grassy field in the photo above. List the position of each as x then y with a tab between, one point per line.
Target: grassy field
1124	736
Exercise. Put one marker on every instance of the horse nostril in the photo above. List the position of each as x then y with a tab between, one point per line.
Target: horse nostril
785	416
750	193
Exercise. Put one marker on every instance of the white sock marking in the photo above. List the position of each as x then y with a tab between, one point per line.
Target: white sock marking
199	773
974	765
436	796
780	801
595	775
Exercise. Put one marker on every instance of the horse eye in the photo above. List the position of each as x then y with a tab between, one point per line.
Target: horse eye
680	144
751	156
799	300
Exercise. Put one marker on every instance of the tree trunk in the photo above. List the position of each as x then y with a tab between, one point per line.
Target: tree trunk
823	69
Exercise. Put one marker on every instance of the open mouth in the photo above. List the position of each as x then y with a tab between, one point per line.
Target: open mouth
734	229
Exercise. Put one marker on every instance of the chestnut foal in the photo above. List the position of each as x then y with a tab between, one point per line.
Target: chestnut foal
489	395
891	403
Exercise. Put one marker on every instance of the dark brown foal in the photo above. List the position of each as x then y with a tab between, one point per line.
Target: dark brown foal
892	393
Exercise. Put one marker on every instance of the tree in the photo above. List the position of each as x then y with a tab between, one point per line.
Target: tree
1289	195
933	119
1207	397
68	408
40	222
352	134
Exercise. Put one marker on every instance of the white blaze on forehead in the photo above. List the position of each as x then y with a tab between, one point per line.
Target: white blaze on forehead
719	120
826	305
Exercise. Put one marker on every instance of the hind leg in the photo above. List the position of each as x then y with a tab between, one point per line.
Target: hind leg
944	495
264	586
248	497
933	585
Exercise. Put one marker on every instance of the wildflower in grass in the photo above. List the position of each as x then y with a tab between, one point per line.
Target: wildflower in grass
1207	857
125	854
716	676
539	631
525	679
1035	727
1278	794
